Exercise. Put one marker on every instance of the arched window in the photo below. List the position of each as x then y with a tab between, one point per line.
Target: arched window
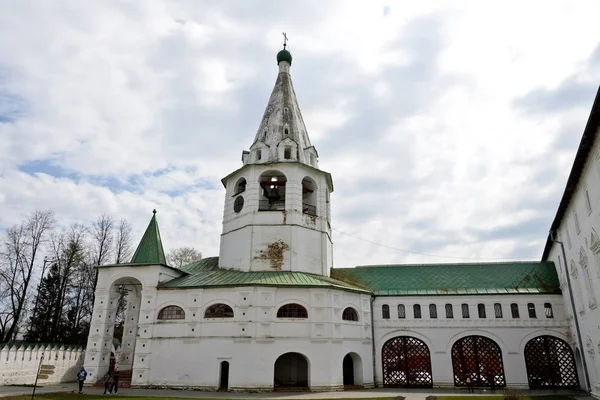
218	311
432	311
401	311
514	310
309	196
292	310
531	310
449	311
481	310
385	311
417	310
465	310
548	310
240	186
350	314
498	310
171	312
272	198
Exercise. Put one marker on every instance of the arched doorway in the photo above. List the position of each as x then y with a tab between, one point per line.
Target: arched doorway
348	370
125	301
224	376
291	370
406	363
550	364
479	358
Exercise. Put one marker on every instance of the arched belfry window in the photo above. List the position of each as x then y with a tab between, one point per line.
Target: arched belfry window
171	312
272	196
292	310
309	196
219	311
240	186
350	314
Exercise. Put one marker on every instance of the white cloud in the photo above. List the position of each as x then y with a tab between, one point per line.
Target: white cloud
411	106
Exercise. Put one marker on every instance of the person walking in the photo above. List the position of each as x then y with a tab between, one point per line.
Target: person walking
107	382
81	376
115	382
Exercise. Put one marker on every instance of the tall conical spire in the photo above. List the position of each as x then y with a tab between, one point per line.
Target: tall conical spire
150	249
282	120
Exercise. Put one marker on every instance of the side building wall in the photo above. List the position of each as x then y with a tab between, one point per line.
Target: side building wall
440	333
579	232
19	363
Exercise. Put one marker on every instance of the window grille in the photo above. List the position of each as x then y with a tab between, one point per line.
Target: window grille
218	311
514	310
449	311
417	310
498	310
401	311
465	310
432	311
171	312
531	310
292	310
481	310
350	314
548	310
385	311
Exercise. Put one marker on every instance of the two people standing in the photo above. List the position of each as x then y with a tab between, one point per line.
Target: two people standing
111	381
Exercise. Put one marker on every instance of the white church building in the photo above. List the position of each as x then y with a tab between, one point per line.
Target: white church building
272	312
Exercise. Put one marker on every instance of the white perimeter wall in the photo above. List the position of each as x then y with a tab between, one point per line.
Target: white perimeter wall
19	363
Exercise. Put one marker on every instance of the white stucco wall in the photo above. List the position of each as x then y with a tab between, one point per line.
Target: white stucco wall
583	264
19	364
441	333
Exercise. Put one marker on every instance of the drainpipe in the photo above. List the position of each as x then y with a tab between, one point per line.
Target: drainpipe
373	340
572	301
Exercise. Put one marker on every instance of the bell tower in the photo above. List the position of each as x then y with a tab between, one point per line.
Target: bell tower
277	210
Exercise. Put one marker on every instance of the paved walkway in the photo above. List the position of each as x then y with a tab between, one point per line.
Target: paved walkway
409	394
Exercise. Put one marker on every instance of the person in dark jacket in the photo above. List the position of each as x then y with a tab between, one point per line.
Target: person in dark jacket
81	375
107	382
115	381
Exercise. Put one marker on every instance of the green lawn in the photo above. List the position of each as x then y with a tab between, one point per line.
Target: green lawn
75	396
501	397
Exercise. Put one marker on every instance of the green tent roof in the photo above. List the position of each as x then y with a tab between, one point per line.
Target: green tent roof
454	279
150	249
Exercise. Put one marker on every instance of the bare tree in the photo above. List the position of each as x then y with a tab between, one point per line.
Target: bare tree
68	248
182	256
17	265
123	242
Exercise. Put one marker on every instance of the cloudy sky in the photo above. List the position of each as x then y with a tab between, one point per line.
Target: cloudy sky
449	128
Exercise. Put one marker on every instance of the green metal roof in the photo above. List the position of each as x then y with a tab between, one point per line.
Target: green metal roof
205	273
150	249
453	279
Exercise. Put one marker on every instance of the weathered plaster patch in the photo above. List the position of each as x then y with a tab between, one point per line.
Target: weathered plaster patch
273	254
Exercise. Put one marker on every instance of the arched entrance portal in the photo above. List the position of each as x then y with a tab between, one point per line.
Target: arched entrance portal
480	359
406	363
348	370
124	311
550	364
291	370
224	376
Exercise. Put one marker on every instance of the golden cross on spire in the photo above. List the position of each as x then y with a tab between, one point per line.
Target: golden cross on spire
285	39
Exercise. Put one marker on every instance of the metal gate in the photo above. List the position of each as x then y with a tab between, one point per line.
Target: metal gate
480	359
406	363
550	364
